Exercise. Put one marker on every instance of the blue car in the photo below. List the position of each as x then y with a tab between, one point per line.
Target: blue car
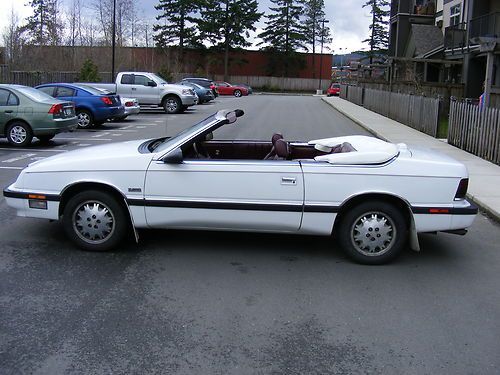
92	106
204	94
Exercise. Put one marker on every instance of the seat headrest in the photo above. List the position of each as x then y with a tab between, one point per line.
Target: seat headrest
275	137
282	148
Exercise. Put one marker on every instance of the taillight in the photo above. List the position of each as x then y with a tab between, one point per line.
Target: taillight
462	189
129	104
56	109
107	100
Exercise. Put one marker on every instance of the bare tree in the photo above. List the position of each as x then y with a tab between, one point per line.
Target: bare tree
13	38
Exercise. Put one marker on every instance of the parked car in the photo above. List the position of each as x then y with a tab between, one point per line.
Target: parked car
334	89
205	95
130	105
151	90
26	113
204	82
373	195
225	88
249	88
93	107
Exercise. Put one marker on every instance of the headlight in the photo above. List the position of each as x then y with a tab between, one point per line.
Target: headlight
187	92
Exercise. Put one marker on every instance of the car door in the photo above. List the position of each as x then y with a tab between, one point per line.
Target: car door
225	194
66	94
145	93
9	104
224	88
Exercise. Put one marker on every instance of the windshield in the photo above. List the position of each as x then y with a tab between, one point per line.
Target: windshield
34	94
185	134
159	80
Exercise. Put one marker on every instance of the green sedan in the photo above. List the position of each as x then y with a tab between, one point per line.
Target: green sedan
26	113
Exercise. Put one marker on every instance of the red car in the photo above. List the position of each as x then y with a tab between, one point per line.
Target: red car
334	89
225	88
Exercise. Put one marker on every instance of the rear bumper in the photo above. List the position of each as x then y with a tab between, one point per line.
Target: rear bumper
106	113
132	111
57	126
431	219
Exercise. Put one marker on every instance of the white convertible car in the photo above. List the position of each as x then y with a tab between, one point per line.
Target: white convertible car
373	196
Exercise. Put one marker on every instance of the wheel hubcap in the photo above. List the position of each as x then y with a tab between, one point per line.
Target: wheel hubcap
373	234
93	222
83	120
171	105
18	134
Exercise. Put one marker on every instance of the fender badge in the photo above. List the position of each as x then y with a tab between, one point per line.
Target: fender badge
134	190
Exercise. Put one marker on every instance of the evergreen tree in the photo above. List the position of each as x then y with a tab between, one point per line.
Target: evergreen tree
284	34
43	27
178	23
89	72
379	34
314	14
227	24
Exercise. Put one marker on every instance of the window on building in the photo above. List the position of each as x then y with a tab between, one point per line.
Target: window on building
455	13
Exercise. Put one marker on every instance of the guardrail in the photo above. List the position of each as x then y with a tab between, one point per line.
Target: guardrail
475	129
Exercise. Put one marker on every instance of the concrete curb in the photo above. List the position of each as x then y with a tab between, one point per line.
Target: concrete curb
487	209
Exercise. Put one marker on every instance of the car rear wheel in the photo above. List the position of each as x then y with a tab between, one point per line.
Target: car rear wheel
45	138
85	119
95	221
237	93
373	232
19	134
172	105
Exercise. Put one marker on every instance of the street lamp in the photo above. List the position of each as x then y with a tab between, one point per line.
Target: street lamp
113	43
323	21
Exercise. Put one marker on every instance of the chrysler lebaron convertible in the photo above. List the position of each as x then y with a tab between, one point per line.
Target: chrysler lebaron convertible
372	196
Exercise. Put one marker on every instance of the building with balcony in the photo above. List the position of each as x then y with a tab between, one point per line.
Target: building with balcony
472	35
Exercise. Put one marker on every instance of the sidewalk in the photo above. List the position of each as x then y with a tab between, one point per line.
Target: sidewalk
484	183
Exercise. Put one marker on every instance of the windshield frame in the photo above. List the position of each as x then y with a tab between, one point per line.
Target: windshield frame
158	79
207	125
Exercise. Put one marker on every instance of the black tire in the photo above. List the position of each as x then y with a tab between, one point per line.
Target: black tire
373	232
45	138
85	119
19	134
172	105
95	221
237	93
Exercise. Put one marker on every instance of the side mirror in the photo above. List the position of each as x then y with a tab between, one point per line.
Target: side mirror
174	157
151	83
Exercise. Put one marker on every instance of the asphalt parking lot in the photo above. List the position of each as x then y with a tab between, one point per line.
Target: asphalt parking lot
238	303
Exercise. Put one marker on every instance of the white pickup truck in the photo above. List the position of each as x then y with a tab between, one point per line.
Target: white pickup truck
151	89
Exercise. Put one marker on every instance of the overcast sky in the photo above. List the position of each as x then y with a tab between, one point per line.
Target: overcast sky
348	20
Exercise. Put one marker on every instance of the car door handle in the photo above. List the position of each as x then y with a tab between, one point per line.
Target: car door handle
288	181
133	88
9	111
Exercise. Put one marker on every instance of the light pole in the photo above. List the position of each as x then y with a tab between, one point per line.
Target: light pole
113	43
323	21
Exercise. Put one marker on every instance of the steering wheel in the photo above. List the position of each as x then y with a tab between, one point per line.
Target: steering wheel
200	150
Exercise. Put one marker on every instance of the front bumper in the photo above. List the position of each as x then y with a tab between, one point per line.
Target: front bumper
20	201
188	100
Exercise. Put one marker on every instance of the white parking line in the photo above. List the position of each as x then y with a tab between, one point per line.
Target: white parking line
100	135
84	139
83	144
31	149
17	158
11	167
116	135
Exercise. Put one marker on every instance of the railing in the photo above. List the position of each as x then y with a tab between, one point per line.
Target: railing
485	26
455	36
475	130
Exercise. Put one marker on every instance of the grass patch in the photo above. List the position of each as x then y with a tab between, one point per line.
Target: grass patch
442	131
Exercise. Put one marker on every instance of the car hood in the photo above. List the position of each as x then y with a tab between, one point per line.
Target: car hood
112	157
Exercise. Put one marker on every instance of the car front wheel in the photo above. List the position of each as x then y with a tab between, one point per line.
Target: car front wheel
19	134
85	119
237	93
172	105
373	232
95	221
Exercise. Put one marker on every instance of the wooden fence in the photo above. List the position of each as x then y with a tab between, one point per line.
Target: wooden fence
475	130
418	112
270	83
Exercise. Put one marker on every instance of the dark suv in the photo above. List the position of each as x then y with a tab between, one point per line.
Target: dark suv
205	82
